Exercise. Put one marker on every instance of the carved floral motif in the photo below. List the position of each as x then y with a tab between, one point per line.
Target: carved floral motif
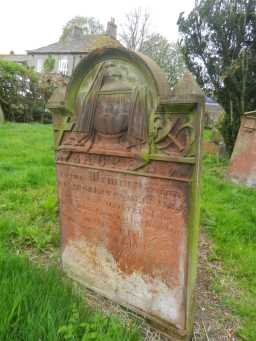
174	134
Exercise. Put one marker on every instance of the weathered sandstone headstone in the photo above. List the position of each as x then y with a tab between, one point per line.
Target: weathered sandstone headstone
128	170
242	168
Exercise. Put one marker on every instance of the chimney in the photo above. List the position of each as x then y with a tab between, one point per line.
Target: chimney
112	28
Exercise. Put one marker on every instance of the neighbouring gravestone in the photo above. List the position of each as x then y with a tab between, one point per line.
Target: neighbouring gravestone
1	114
128	172
215	145
56	104
242	168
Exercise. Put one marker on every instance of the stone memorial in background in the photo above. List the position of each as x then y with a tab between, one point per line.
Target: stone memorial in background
242	168
128	172
1	114
56	104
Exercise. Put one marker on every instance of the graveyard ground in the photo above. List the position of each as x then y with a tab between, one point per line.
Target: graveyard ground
37	301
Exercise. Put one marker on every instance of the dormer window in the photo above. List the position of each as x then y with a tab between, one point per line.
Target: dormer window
63	65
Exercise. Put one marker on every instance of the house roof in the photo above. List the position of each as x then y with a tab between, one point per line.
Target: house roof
211	106
209	101
18	58
81	45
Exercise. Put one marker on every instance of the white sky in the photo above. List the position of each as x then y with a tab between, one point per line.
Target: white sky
30	24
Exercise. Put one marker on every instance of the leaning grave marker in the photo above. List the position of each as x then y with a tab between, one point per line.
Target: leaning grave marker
128	171
242	167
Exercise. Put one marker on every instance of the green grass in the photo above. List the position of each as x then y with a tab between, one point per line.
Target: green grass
229	217
207	134
37	303
27	184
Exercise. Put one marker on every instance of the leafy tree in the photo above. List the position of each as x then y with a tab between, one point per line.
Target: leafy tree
89	25
49	63
136	36
219	45
21	94
166	54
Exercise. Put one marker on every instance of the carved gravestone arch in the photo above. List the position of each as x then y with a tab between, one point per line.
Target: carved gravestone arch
128	164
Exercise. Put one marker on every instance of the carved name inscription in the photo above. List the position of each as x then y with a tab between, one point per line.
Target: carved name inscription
94	160
181	172
141	221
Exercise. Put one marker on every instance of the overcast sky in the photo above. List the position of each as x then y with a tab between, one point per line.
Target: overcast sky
29	24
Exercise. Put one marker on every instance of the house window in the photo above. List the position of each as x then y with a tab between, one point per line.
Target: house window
39	65
63	65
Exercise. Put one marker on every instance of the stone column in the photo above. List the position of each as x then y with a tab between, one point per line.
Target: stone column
189	97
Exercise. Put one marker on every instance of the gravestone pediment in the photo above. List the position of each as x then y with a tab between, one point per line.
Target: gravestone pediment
128	177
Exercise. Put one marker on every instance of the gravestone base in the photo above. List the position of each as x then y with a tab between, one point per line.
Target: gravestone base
126	312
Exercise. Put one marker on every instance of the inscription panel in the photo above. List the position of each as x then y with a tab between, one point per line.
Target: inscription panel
139	221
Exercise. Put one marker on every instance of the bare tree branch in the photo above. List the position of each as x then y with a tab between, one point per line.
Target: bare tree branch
135	29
